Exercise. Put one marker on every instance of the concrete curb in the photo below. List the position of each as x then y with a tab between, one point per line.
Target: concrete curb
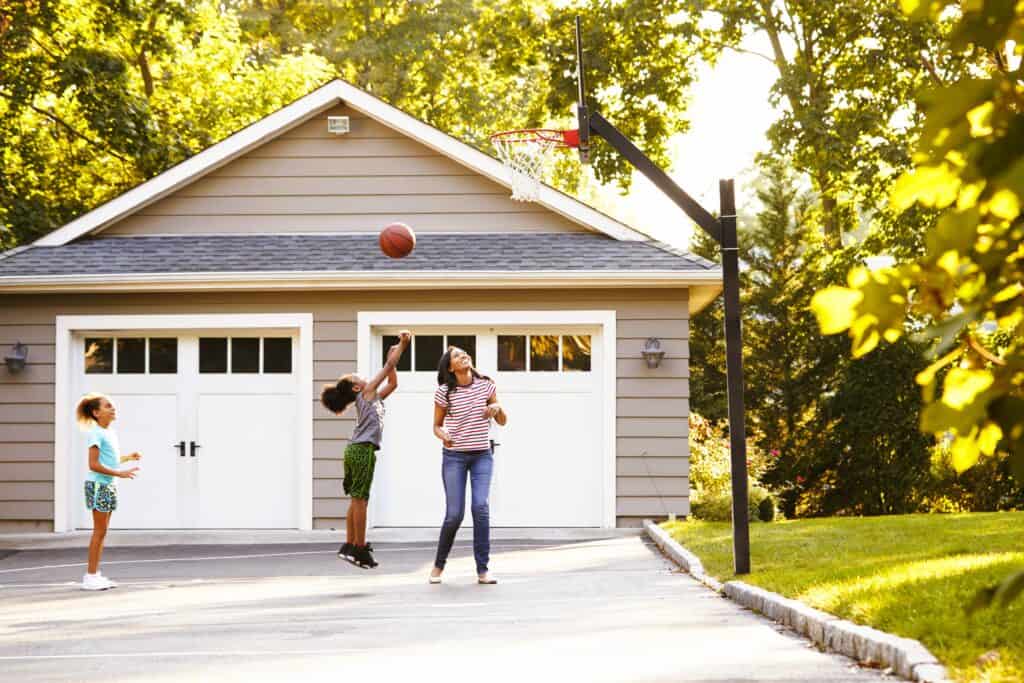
871	647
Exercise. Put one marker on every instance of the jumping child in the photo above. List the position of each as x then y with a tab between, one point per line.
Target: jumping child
95	412
360	454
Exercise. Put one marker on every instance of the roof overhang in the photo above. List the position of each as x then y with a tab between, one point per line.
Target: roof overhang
703	286
320	100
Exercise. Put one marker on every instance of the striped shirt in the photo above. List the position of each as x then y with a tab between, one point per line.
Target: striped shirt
464	418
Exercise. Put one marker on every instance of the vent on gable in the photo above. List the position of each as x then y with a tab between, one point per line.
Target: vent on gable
337	125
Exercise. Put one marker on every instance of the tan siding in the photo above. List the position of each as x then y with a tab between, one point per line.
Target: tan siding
14	526
309	180
652	405
652	486
26	490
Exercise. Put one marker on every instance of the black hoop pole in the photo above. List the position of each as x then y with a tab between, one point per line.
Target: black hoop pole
582	114
723	230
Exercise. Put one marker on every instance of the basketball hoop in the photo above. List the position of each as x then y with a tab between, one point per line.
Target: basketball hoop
526	153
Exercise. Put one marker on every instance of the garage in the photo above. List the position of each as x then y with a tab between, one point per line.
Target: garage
216	415
551	462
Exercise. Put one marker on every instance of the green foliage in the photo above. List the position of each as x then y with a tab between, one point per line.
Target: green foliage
970	168
711	468
846	71
871	459
899	573
97	97
766	509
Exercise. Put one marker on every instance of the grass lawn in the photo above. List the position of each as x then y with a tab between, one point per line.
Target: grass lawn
906	574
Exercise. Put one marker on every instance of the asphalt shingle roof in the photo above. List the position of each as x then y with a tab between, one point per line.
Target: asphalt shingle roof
341	252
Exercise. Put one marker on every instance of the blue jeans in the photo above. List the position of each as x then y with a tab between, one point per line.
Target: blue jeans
455	465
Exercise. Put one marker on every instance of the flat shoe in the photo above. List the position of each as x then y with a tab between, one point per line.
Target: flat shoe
434	579
489	581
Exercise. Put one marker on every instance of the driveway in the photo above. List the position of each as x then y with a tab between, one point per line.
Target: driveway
598	610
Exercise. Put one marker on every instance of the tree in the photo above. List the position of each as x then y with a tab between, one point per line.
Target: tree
846	73
969	165
97	97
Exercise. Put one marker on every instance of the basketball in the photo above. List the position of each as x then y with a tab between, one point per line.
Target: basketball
397	240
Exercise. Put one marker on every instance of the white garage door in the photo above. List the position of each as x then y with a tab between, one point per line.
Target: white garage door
548	465
213	415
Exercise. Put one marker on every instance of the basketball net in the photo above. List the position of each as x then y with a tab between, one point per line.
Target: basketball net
526	154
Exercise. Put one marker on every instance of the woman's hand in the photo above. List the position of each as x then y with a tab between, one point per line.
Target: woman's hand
128	473
492	410
442	433
133	456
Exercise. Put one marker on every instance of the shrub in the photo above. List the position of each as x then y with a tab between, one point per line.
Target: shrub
710	473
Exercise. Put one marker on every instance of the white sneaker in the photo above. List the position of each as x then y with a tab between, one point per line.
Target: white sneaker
94	582
110	582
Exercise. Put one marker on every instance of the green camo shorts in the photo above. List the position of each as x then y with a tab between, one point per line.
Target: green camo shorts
100	497
360	459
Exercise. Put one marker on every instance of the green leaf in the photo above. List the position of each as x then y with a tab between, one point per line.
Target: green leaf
965	453
835	308
962	386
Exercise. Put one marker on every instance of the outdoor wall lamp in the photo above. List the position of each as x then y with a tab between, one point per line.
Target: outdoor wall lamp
652	352
17	357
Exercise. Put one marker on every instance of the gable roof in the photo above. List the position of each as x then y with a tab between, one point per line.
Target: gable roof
299	111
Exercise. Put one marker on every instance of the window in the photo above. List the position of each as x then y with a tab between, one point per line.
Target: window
544	353
429	348
277	355
576	352
213	355
131	356
512	353
404	362
99	356
426	350
245	355
547	353
163	356
466	342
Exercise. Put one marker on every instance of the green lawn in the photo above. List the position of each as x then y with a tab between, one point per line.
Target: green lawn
907	574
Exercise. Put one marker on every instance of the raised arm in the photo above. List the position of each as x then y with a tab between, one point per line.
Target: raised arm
392	384
395	353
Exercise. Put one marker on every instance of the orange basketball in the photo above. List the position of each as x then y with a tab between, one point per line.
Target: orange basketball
397	240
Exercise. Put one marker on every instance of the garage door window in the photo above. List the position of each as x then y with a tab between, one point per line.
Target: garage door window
547	353
426	350
245	355
131	356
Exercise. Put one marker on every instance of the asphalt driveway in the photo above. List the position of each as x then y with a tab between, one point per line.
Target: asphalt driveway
597	610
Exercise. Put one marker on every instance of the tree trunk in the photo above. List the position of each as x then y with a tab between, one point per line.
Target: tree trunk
833	233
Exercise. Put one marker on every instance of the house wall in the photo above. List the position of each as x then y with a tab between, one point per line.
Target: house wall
307	180
652	406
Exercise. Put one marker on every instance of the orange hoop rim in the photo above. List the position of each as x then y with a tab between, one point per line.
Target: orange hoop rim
559	138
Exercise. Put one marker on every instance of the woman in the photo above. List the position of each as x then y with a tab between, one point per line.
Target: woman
464	404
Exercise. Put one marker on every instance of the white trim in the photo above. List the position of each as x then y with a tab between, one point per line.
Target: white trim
297	112
67	325
606	320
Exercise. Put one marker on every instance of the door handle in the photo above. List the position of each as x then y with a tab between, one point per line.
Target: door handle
192	446
181	448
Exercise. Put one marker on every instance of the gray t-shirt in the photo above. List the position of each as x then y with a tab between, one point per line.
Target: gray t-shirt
369	421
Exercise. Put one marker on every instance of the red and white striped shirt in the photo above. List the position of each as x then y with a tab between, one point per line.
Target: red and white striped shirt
464	418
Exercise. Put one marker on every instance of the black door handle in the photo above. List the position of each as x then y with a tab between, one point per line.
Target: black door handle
181	448
192	446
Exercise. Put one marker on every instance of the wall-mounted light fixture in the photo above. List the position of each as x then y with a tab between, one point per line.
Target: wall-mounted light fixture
652	352
16	358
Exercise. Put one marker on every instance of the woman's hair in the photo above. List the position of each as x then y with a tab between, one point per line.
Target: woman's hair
85	411
447	377
336	397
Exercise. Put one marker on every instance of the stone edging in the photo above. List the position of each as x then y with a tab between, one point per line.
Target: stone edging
871	647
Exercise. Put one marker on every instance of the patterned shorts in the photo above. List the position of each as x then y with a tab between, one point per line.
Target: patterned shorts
100	497
360	459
